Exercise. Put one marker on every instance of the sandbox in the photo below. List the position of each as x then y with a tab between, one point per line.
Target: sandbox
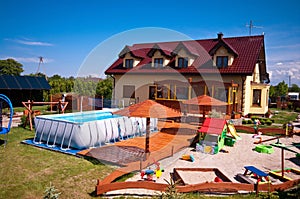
187	176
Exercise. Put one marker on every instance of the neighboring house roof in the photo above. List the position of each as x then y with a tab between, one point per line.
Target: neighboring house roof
245	49
11	82
213	126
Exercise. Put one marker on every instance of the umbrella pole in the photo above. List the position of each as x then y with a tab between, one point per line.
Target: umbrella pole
147	135
282	162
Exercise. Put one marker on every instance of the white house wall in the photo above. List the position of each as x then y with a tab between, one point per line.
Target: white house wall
256	75
247	95
141	83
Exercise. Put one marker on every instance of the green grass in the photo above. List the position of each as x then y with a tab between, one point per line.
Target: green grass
27	171
41	108
284	116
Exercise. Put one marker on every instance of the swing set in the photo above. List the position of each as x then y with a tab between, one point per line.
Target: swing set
31	113
4	129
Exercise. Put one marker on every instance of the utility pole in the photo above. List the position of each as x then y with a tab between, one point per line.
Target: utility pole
41	61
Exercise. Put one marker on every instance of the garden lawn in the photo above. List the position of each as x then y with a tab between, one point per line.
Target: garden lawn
283	117
27	171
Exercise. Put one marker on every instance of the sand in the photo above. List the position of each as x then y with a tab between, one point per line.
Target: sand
192	177
230	164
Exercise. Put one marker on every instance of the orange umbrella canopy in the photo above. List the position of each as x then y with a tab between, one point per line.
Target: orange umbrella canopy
205	100
148	109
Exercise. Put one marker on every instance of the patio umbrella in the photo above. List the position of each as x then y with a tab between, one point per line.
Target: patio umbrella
148	109
205	101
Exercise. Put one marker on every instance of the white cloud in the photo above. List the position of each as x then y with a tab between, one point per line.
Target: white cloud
270	74
34	43
29	59
282	70
294	70
30	42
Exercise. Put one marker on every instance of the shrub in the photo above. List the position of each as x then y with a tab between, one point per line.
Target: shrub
272	120
244	122
262	122
269	195
51	193
268	122
171	191
250	122
215	114
290	105
23	120
254	118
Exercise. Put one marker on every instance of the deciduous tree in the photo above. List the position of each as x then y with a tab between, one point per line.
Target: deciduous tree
10	67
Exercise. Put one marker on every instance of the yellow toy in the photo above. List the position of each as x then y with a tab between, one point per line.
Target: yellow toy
188	157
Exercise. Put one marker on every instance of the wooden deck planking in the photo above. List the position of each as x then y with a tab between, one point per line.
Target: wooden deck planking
162	145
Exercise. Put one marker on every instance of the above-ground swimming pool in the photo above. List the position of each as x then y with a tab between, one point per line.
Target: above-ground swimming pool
87	129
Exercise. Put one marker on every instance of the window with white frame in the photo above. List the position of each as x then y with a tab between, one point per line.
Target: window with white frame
256	99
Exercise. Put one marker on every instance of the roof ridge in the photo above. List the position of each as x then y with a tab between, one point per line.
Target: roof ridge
191	40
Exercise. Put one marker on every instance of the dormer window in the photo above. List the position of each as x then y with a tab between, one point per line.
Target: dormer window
128	63
158	62
222	61
183	62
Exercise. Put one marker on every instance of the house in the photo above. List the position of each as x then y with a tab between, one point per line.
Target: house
229	69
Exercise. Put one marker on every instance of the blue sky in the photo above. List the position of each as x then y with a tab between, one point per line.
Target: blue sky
67	33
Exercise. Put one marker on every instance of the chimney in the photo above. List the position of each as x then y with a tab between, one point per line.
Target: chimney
220	35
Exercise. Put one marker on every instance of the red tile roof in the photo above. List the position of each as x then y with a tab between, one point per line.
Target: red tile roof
213	126
246	50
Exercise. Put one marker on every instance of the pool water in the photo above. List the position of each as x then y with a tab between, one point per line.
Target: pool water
86	117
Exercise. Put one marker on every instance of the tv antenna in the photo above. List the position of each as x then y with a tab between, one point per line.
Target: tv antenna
41	60
251	26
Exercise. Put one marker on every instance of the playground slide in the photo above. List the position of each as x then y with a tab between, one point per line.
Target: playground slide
232	131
